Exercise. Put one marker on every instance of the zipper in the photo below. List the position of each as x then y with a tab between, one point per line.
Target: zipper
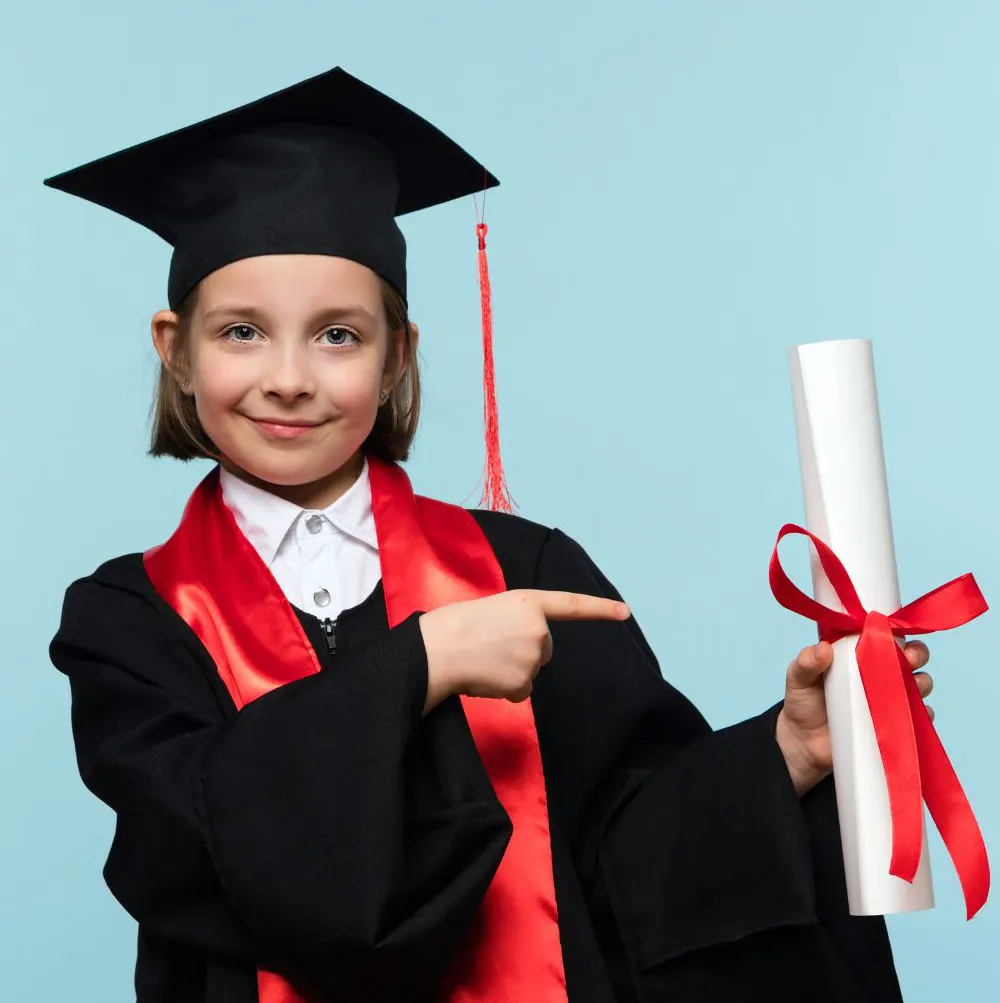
330	633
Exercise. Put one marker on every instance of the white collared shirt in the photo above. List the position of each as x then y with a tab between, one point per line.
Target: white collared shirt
325	560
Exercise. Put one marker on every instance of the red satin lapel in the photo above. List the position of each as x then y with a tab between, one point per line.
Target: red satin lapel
211	574
439	555
436	553
431	554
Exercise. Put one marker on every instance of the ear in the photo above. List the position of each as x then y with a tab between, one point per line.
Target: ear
395	363
164	327
401	352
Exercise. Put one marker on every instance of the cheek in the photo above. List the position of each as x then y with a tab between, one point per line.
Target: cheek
354	384
222	385
215	402
223	377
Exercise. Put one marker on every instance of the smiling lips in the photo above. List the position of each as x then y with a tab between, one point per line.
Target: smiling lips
284	428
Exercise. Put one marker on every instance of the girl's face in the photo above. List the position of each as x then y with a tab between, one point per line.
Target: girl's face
288	355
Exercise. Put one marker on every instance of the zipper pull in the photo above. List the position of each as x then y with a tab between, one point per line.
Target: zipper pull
330	632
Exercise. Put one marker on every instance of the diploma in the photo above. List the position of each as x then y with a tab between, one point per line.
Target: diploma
847	507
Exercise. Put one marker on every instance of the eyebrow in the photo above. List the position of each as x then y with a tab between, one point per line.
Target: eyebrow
333	313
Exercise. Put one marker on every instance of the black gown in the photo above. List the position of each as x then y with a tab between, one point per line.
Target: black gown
330	832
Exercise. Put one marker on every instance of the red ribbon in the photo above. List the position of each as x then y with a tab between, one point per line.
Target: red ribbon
916	766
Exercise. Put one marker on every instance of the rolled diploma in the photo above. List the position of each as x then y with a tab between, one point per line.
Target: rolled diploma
847	507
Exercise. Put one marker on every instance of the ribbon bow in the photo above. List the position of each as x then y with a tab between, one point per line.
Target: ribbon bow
916	766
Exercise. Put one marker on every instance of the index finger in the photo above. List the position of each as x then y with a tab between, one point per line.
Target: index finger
578	606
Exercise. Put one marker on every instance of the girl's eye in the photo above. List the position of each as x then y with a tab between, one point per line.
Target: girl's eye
240	333
339	337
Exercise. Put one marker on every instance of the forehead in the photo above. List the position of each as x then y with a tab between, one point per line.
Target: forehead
291	278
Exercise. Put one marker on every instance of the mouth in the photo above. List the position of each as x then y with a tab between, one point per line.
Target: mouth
284	428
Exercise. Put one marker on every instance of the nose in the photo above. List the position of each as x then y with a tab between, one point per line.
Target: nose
289	376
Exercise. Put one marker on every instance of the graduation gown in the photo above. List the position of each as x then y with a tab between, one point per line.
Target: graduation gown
334	834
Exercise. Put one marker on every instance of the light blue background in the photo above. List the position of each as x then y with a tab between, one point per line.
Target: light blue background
688	188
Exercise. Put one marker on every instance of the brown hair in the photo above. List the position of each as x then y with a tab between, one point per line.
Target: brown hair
177	431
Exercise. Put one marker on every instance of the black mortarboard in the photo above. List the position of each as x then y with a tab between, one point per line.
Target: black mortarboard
321	167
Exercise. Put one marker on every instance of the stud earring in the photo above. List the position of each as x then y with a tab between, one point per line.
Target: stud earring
383	396
185	384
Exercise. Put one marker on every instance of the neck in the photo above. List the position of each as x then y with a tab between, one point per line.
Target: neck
317	494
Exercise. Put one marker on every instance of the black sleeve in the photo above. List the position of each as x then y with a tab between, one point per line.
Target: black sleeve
705	870
326	831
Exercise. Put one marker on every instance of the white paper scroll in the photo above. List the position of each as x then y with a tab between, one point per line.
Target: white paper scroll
847	506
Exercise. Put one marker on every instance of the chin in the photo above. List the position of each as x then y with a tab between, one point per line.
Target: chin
290	470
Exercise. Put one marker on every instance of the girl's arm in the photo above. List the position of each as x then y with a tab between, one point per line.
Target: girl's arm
701	864
327	831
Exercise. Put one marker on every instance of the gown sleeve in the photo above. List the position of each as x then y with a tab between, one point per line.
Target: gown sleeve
708	877
327	831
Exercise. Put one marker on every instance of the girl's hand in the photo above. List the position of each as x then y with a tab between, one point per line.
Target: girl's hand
802	730
494	647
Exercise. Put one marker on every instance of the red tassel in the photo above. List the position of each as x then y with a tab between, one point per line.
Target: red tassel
495	494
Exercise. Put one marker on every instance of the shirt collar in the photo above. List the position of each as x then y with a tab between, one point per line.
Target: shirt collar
266	519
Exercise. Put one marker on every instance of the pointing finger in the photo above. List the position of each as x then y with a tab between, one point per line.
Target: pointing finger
577	606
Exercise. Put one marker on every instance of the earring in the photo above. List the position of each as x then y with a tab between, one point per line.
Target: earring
185	384
383	396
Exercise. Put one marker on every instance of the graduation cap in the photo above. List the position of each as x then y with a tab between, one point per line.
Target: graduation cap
321	167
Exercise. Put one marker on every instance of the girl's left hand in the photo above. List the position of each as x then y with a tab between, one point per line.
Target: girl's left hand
802	731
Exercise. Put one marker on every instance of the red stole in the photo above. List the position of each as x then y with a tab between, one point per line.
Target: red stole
431	554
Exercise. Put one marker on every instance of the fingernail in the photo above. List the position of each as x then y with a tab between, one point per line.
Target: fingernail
623	611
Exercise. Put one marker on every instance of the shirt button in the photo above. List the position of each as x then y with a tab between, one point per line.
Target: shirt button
321	597
314	523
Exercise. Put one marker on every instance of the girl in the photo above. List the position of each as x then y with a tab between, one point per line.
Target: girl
317	709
